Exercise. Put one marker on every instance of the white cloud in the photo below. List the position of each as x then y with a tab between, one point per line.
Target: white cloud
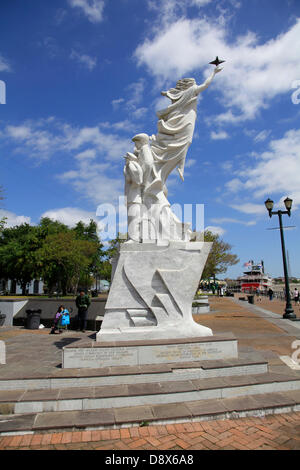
99	182
43	138
221	135
70	215
254	72
234	185
125	125
261	136
108	144
229	220
136	91
51	45
249	208
190	162
134	95
60	16
93	181
200	3
19	132
116	103
92	9
86	154
276	171
84	59
227	166
4	65
168	9
215	230
139	113
13	219
30	136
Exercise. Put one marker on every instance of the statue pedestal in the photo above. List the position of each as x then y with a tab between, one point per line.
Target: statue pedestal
148	315
152	292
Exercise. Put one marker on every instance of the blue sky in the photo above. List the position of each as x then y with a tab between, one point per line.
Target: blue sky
84	76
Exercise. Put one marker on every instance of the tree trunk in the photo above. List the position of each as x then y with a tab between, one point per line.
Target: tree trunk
23	286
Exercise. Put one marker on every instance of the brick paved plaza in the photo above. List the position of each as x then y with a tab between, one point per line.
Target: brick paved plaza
253	328
274	432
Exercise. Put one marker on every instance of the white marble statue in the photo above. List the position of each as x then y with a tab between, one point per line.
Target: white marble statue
154	158
154	282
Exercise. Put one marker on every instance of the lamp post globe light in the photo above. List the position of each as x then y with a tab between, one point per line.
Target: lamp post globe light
289	312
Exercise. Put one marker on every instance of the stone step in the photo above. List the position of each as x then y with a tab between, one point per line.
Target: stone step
197	410
67	378
156	393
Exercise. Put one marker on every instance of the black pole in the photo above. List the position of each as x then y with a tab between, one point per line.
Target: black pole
289	312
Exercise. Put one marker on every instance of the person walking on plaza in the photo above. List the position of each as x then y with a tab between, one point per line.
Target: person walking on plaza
296	296
82	303
270	294
258	294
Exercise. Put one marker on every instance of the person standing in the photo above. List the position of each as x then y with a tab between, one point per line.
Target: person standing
258	294
82	303
296	296
270	293
56	320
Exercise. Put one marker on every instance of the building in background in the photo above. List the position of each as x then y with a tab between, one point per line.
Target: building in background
12	287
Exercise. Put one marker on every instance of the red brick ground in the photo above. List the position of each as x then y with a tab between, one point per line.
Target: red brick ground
276	432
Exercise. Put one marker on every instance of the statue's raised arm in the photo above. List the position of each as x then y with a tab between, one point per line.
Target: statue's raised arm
176	125
208	80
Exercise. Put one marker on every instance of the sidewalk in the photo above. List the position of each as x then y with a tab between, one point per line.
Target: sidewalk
42	353
275	305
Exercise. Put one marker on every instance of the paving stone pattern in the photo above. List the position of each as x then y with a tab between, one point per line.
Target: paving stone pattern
273	432
33	353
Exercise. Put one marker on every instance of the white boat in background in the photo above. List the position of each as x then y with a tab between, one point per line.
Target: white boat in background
255	278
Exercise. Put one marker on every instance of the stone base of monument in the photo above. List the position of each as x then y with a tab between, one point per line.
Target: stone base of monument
138	353
152	290
154	393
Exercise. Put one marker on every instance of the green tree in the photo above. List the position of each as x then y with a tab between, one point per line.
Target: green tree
111	252
220	256
114	245
105	270
48	226
65	258
89	233
3	219
19	259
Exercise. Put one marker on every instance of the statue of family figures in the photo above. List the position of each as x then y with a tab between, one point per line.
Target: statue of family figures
150	217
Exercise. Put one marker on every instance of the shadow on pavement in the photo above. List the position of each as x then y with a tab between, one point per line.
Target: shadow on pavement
65	342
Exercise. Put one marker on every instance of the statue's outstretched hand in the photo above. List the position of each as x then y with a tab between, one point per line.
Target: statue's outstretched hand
218	69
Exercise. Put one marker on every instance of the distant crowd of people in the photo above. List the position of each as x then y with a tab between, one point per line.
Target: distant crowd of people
295	295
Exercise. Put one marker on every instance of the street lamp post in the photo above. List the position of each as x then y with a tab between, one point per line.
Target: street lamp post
289	312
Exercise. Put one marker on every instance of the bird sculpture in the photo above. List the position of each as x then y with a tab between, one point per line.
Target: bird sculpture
217	61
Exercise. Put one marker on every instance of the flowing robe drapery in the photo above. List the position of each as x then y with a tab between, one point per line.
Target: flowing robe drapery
175	131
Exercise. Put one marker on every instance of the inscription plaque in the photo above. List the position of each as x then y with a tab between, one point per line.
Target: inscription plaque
185	352
99	357
149	354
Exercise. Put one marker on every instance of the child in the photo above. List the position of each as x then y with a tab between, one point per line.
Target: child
57	320
64	320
